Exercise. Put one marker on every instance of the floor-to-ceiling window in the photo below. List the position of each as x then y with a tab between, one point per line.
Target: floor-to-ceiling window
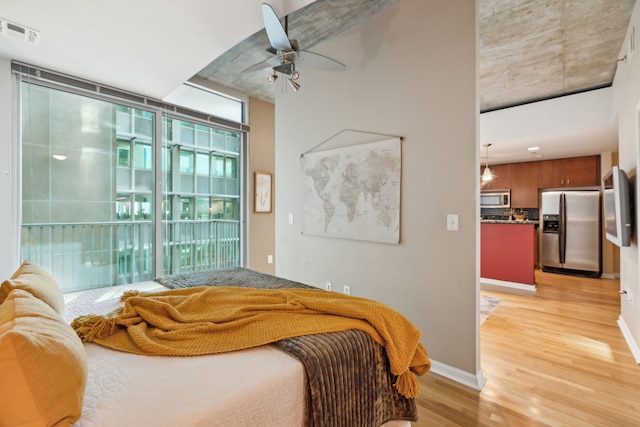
202	201
115	191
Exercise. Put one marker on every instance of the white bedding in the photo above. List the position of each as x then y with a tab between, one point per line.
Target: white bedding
264	386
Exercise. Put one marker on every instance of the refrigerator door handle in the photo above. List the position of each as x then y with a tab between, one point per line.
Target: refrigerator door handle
562	241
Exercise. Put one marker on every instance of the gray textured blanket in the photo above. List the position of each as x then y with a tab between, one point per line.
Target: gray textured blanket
348	372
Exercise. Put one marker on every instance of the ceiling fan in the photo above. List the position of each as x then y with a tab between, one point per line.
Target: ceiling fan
287	54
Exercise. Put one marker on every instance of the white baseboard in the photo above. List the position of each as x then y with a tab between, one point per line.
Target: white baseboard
633	345
476	382
504	286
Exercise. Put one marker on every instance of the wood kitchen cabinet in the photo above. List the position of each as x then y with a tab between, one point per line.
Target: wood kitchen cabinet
501	179
527	178
582	171
549	173
572	172
524	185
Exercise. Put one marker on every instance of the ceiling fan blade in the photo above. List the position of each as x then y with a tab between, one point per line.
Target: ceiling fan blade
308	59
275	31
259	66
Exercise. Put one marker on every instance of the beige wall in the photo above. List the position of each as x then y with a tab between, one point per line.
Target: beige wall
261	158
411	72
626	101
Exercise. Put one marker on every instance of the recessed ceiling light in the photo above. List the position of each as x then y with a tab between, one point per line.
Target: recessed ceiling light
533	148
59	157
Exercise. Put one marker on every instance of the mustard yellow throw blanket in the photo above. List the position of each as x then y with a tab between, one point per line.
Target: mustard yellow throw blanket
207	320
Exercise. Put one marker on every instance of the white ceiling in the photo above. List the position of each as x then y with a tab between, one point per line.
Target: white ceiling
581	124
143	46
150	49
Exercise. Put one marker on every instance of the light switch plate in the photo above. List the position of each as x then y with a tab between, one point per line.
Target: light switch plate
452	222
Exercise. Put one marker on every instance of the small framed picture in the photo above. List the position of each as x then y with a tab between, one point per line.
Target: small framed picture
262	185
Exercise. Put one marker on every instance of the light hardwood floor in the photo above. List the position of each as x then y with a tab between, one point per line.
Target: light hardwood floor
554	359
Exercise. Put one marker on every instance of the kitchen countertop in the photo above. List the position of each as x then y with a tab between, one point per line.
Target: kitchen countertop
509	221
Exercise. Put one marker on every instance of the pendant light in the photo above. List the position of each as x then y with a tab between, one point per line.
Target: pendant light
486	175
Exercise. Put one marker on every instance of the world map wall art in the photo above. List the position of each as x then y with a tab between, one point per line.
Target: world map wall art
354	192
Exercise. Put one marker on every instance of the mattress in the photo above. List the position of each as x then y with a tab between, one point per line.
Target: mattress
263	386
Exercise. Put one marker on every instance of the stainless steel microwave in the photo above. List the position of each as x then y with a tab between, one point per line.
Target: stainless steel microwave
495	199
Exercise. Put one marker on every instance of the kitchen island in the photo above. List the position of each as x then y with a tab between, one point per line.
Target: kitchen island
507	253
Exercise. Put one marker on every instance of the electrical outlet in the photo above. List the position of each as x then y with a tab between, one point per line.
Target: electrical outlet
269	259
346	290
630	297
327	286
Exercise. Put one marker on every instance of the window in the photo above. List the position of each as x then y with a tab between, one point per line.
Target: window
231	166
144	123
186	208
202	208
207	101
91	219
207	193
143	155
224	208
124	154
186	161
202	164
218	165
143	208
123	207
217	207
203	136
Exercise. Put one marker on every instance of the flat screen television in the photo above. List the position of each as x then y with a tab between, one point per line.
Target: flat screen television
617	207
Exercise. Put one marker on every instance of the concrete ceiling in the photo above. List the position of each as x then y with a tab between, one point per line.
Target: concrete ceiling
532	49
528	49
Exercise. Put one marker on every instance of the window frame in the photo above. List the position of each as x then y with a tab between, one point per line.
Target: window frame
160	110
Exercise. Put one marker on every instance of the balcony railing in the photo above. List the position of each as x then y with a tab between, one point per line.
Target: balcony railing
91	255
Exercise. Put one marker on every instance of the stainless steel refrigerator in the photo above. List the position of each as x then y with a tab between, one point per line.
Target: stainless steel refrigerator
571	232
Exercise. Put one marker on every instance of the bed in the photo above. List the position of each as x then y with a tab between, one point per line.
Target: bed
267	385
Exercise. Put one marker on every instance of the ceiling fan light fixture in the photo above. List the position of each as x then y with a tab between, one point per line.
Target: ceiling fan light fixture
287	52
271	78
294	85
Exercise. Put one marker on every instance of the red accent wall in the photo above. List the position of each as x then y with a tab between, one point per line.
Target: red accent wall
507	252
